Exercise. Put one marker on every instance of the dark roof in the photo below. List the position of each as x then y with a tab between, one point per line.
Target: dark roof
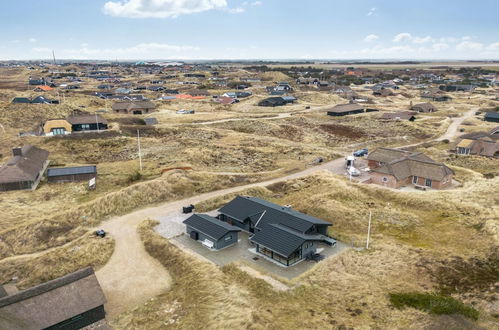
52	302
346	108
86	119
25	167
209	226
280	239
401	115
494	115
60	171
261	212
131	105
21	100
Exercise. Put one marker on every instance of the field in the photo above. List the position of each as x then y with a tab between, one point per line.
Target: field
424	245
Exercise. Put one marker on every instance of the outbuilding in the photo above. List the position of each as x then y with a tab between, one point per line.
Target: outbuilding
71	174
211	232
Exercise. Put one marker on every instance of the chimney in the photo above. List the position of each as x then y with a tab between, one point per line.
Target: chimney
17	151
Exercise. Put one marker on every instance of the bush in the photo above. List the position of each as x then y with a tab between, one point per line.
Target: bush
432	303
136	176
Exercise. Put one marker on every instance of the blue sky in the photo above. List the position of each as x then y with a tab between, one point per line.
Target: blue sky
239	29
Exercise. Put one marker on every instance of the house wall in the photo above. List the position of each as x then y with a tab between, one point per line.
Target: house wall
244	226
71	178
217	244
82	320
308	248
93	127
391	181
446	182
227	240
21	185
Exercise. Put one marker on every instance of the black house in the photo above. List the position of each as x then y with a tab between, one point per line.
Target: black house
272	102
71	174
280	233
73	301
211	232
87	122
492	117
21	100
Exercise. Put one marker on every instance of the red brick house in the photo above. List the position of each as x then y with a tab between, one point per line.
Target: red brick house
397	168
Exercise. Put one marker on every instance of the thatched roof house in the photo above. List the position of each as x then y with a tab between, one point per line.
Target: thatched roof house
134	107
24	170
395	168
73	301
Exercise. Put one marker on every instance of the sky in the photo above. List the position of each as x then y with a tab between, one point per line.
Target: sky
252	29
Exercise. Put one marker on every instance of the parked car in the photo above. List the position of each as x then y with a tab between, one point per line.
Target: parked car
101	233
361	152
353	171
185	112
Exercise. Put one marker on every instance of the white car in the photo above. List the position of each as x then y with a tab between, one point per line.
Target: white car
353	171
184	112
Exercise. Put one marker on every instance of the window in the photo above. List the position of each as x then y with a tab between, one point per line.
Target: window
58	131
428	182
415	179
385	179
228	238
85	126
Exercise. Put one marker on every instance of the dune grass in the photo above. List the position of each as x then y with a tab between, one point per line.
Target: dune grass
89	250
433	303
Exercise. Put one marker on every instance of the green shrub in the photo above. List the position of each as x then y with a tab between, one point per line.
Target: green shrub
432	303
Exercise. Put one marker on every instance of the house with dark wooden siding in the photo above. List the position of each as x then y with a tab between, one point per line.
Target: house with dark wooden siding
87	122
73	301
349	109
279	233
211	232
24	170
71	174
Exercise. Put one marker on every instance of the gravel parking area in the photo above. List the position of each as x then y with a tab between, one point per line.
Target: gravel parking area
244	251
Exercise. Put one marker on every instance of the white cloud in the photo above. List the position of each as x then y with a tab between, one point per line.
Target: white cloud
440	46
160	8
140	51
32	40
237	10
256	3
469	46
402	37
493	46
371	38
41	50
407	37
422	40
371	11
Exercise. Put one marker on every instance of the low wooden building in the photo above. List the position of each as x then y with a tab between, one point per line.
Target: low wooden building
24	170
73	301
491	117
134	107
349	109
211	232
87	122
71	174
272	102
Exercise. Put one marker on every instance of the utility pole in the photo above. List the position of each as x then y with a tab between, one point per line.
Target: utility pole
368	231
138	144
97	121
53	55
